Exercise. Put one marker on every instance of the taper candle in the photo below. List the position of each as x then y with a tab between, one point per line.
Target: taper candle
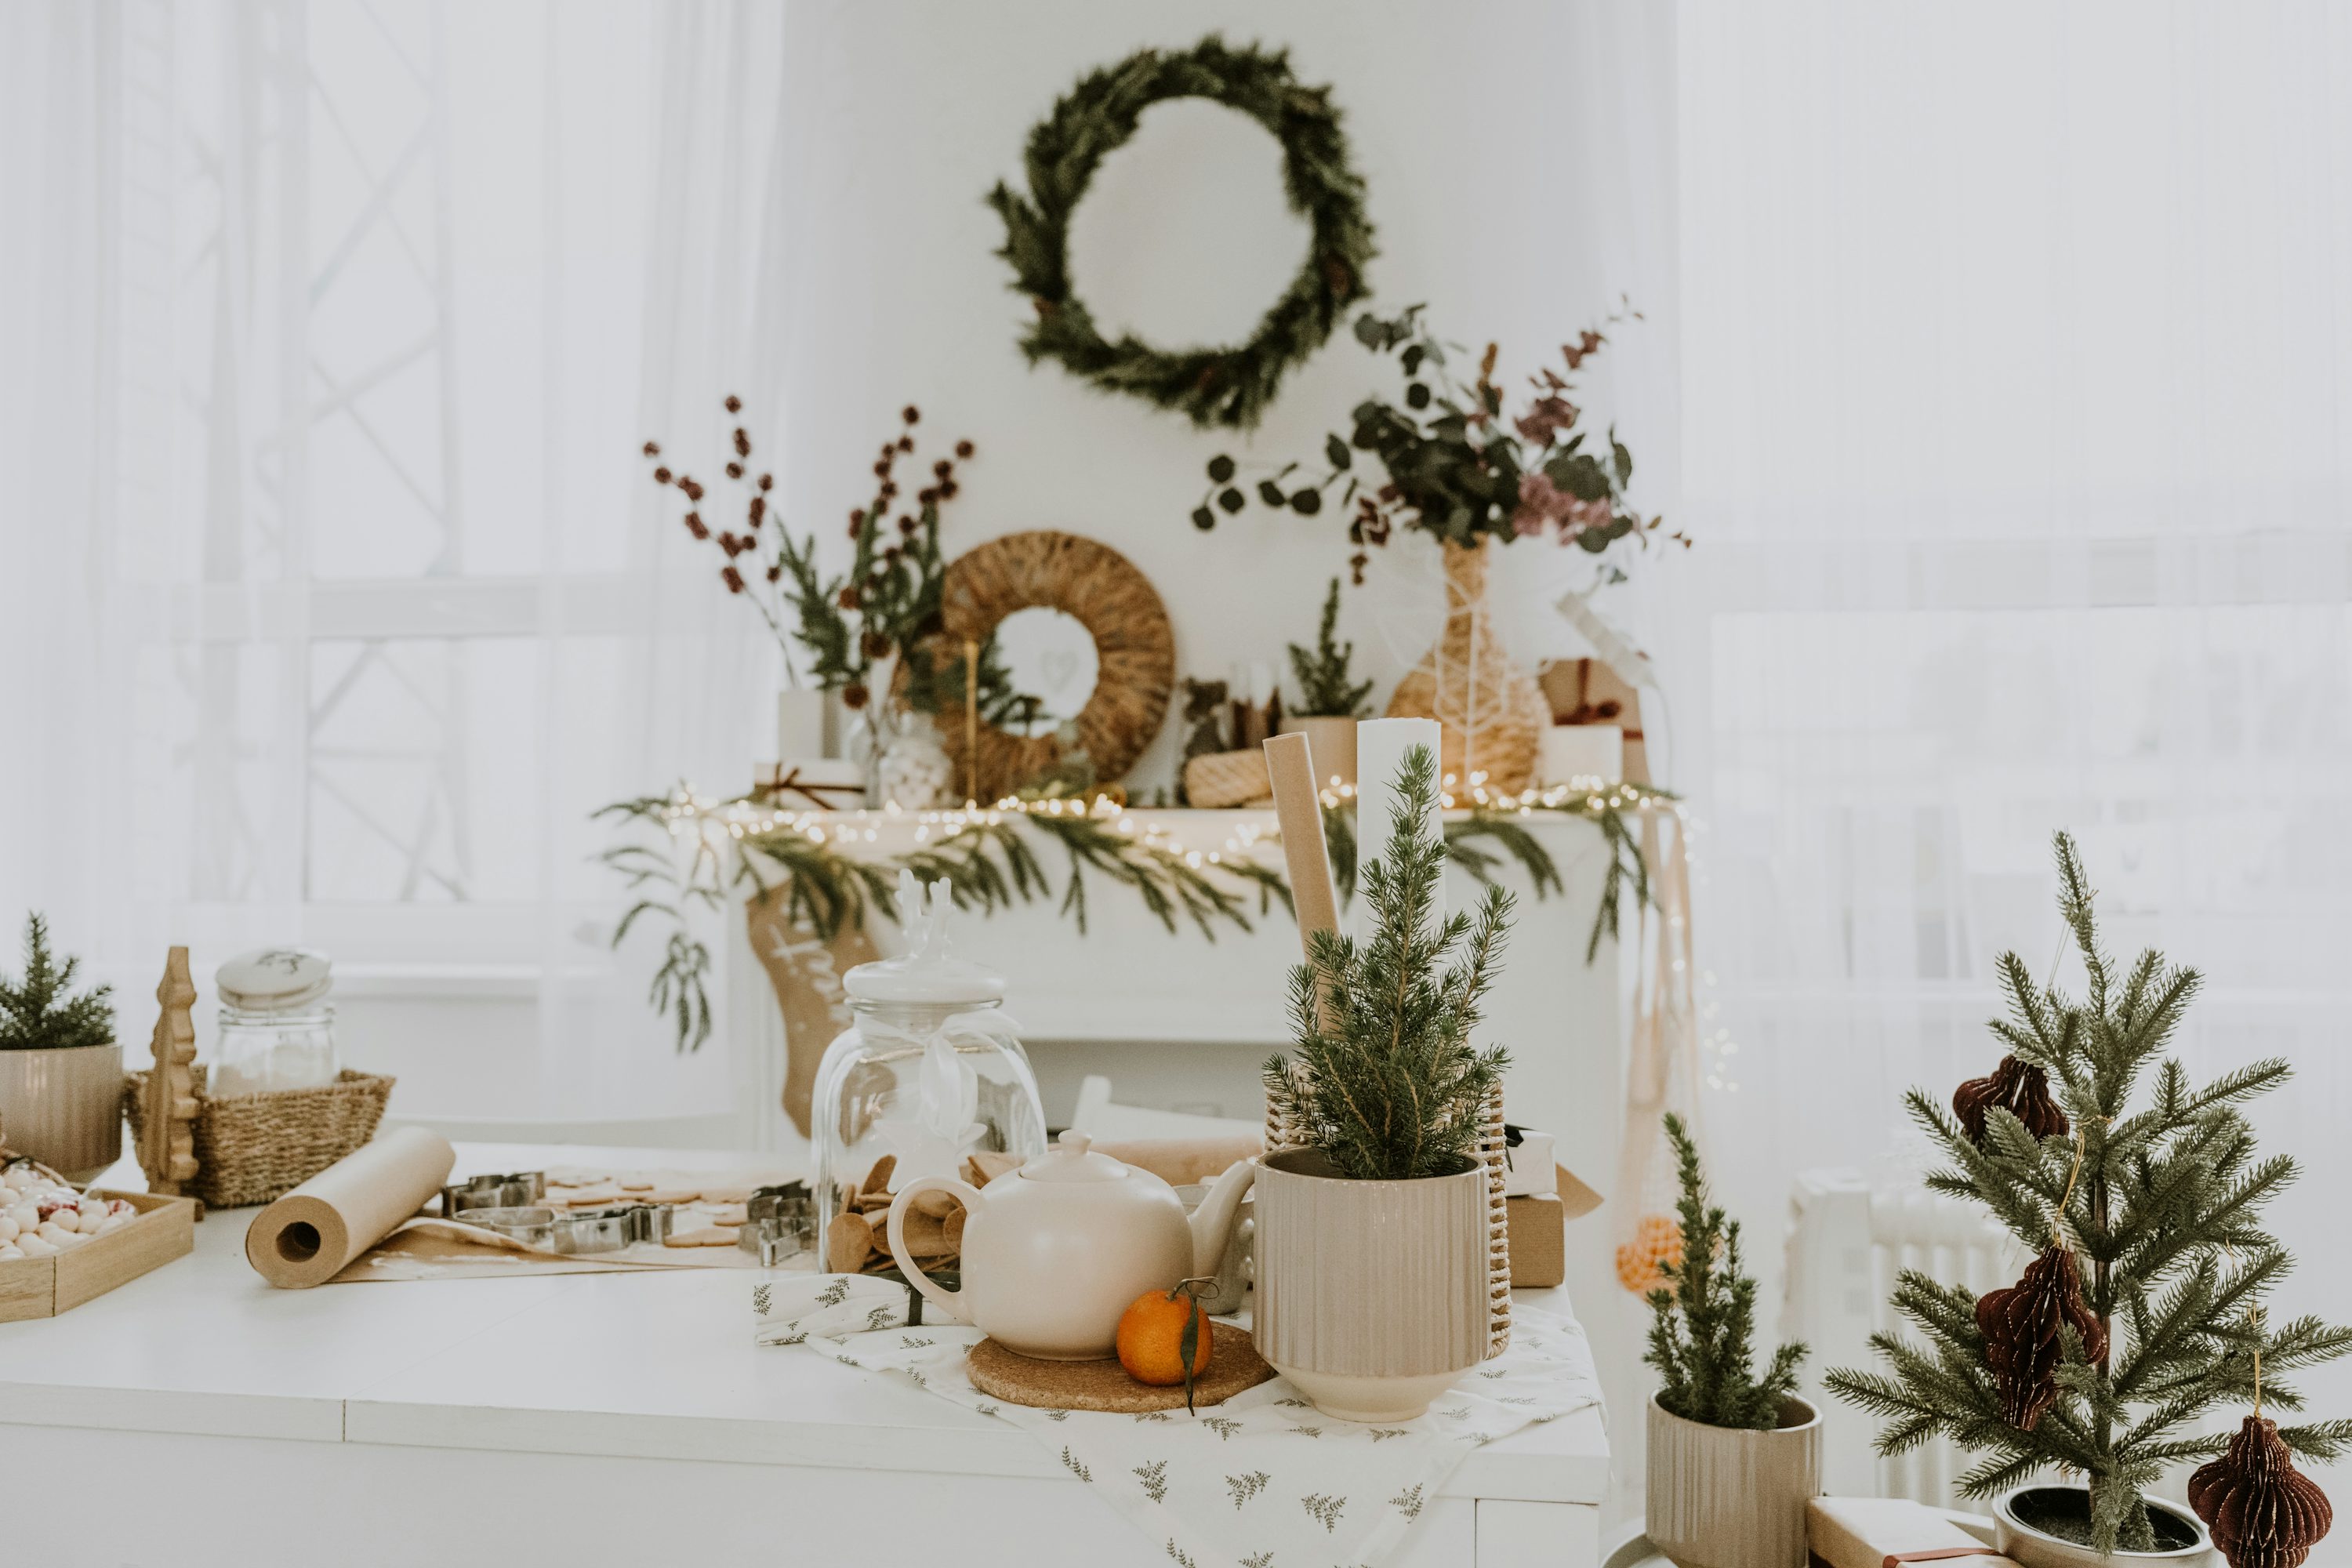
1381	748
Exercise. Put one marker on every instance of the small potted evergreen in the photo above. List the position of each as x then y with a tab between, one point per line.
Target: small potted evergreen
1326	703
2084	1384
1372	1221
60	1069
1734	1458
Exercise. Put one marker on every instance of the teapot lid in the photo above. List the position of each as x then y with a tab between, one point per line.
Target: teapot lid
1073	1160
925	973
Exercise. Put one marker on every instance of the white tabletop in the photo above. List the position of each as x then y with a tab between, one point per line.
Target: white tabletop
641	1365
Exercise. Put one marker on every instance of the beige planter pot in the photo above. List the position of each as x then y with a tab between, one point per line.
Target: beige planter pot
64	1107
1371	1295
1330	747
1722	1497
2033	1548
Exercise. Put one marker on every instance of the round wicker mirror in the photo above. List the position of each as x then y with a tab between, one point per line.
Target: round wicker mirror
1134	647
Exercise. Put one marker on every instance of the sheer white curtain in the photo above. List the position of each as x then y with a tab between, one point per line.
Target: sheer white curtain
336	596
2015	344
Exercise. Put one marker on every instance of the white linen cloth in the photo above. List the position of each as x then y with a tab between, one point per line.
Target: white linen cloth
1263	1479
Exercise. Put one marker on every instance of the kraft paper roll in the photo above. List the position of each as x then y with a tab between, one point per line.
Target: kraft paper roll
308	1237
1298	807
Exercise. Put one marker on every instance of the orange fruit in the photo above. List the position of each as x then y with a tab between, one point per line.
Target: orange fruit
1151	1338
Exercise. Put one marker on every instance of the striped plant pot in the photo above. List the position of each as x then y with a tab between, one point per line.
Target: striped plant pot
1726	1497
1371	1295
63	1106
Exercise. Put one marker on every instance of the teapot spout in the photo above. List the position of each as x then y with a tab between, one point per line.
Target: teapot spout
1212	1221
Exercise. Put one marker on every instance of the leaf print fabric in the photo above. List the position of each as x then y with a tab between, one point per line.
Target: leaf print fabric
1233	1486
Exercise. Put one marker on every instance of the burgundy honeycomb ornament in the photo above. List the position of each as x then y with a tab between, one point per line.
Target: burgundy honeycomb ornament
2263	1511
2021	1089
2021	1334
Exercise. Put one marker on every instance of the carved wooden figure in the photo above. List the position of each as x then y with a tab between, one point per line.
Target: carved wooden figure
167	1150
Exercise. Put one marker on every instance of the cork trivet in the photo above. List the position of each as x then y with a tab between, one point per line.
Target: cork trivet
1233	1365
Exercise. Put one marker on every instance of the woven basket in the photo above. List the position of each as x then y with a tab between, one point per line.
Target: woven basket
256	1148
1215	781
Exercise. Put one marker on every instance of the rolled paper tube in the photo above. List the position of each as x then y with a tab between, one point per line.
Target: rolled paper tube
1298	806
312	1235
1381	748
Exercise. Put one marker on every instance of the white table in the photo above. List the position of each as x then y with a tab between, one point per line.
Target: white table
581	1419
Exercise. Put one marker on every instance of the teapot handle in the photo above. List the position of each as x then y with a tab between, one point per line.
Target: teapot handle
951	1302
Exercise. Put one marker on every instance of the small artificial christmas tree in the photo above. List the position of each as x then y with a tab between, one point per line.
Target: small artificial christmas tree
1324	689
1702	1336
2139	1313
39	1012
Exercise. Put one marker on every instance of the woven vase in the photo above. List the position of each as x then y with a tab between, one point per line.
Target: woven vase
1492	713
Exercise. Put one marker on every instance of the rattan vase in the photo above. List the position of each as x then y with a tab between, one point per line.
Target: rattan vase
1492	712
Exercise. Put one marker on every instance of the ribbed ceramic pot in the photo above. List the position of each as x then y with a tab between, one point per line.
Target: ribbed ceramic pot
64	1107
1330	746
1728	1496
1371	1295
2035	1547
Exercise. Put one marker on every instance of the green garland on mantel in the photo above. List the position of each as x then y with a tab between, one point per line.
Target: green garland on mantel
988	867
1211	386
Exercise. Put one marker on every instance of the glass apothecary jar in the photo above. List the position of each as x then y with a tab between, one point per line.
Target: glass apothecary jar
277	1025
929	1073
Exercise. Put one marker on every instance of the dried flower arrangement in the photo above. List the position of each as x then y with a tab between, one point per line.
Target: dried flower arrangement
885	607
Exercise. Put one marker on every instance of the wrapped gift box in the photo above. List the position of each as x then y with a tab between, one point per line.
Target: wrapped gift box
1881	1532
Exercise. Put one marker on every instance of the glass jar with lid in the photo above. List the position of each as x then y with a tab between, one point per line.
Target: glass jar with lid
276	1026
929	1073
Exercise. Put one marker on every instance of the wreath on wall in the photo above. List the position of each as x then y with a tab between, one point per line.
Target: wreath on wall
1230	386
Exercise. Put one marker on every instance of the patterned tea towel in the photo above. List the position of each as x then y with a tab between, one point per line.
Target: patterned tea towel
1261	1479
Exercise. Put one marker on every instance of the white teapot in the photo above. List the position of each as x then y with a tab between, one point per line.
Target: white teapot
1054	1252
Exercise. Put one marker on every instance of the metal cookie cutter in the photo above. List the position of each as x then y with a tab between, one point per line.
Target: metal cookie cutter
610	1229
530	1226
776	1222
523	1189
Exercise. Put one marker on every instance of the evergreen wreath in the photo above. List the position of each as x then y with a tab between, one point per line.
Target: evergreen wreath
1230	386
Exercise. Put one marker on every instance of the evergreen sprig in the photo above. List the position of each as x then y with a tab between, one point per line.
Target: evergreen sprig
1386	1081
1324	690
2164	1215
37	1013
1703	1323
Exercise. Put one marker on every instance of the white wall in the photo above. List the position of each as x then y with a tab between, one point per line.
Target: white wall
1519	164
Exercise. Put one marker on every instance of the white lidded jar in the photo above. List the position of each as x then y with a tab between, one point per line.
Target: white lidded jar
277	1025
929	1072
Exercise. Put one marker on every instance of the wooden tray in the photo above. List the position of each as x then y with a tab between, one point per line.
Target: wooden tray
1233	1365
165	1228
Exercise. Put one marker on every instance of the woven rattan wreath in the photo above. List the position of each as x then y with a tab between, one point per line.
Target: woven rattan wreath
1230	386
1135	648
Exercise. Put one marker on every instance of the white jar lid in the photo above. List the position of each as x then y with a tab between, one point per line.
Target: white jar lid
926	975
275	980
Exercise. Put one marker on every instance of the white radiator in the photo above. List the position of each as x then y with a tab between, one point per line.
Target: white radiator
1847	1241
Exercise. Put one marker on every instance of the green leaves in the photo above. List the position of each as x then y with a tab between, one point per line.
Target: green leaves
38	1012
1336	451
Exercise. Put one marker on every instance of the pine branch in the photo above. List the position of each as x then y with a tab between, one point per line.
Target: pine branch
38	1012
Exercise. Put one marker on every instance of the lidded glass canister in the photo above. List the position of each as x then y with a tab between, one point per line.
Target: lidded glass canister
277	1025
929	1072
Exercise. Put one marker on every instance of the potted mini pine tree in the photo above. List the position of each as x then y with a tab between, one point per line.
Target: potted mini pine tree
60	1069
1328	701
1733	1458
2141	1196
1372	1226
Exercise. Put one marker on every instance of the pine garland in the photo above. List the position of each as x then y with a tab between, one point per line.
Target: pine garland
37	1013
989	866
1702	1328
1228	386
2159	1201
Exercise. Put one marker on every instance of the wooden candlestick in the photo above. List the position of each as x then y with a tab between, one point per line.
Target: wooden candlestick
168	1150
